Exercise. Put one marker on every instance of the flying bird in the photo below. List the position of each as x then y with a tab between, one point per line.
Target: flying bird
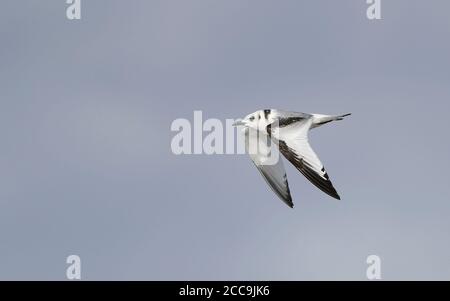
289	132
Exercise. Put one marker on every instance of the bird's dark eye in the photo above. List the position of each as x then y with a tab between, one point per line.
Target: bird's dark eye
252	118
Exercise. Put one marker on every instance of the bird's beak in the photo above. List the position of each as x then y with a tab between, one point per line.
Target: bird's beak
238	123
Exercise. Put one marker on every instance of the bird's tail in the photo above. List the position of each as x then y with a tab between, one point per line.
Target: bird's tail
319	119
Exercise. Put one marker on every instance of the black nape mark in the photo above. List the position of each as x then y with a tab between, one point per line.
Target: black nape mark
269	129
266	113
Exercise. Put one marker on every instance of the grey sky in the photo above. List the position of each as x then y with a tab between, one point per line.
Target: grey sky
85	160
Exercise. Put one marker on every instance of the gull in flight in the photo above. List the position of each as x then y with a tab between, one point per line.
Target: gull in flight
289	132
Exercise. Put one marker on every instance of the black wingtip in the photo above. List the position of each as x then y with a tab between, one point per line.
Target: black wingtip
332	192
289	202
341	117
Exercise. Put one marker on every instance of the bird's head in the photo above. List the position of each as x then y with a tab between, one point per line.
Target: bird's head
257	120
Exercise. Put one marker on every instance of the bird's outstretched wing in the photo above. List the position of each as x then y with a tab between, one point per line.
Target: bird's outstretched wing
291	135
272	170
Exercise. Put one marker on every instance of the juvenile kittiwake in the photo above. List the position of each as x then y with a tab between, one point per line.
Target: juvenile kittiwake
289	132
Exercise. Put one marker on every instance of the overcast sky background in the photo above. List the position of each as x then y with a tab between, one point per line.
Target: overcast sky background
85	160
